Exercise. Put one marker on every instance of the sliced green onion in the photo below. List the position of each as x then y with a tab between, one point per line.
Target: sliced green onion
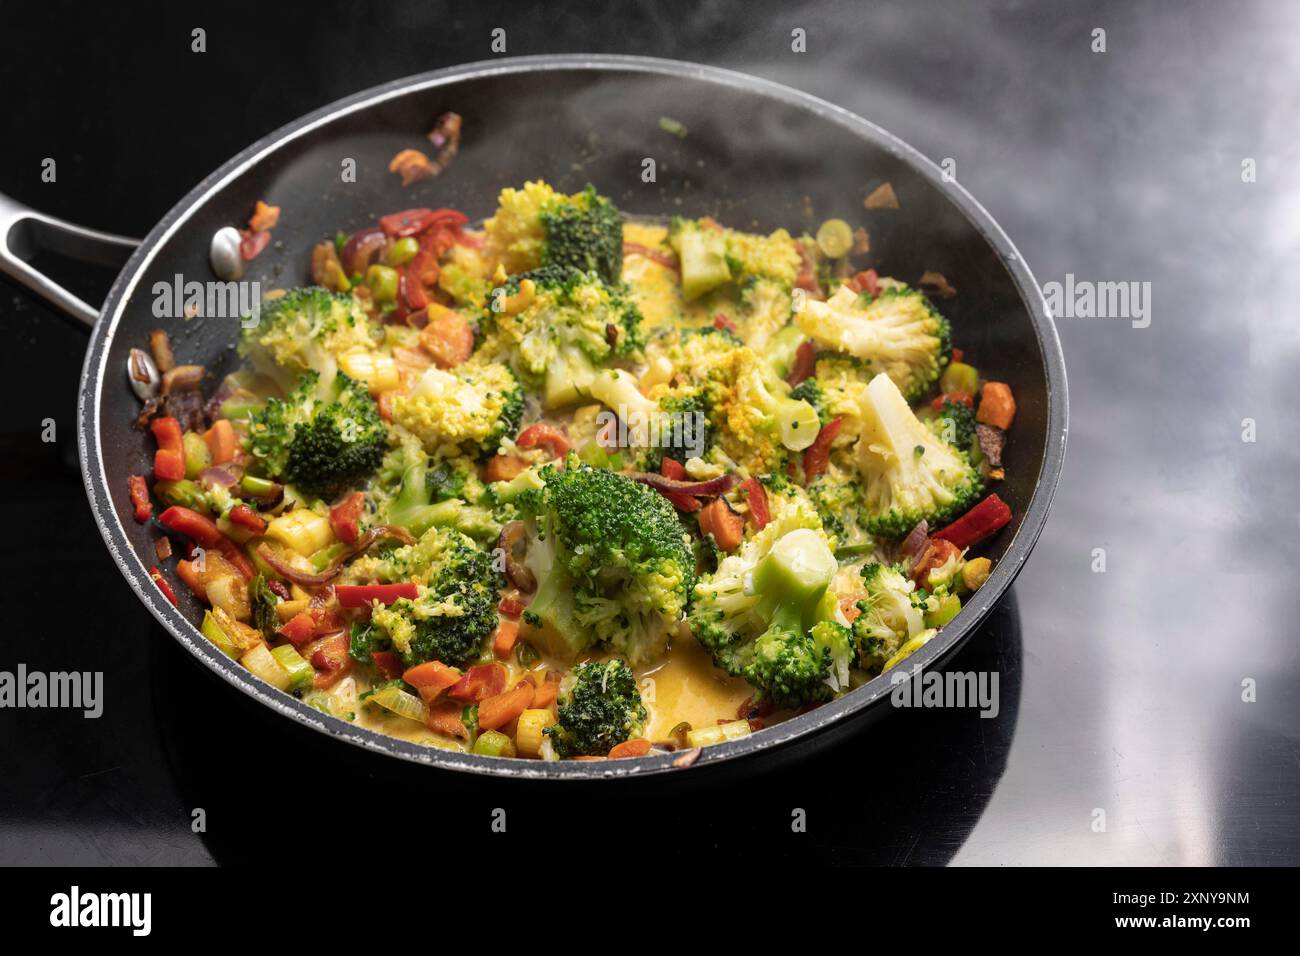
493	743
197	456
261	662
945	612
257	487
402	251
960	377
594	455
382	282
322	559
185	493
301	673
213	632
835	238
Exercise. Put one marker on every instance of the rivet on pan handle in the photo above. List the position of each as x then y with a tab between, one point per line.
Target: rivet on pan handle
25	232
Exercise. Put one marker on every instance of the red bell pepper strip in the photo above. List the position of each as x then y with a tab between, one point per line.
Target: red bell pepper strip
388	663
672	468
299	629
865	282
547	436
723	323
984	519
957	398
204	532
410	222
169	460
511	606
252	243
479	683
246	517
818	455
163	586
140	498
756	496
804	365
360	595
345	515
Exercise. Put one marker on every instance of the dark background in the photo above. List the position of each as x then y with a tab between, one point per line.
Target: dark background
1121	690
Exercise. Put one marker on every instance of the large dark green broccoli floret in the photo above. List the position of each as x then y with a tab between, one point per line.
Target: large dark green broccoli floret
585	233
323	446
599	708
955	424
616	568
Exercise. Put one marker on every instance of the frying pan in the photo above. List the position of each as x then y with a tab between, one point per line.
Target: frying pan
755	155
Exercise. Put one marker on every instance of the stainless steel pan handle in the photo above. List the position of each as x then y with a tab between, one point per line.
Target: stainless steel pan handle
25	232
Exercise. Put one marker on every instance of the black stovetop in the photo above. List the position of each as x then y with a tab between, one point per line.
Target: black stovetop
1122	691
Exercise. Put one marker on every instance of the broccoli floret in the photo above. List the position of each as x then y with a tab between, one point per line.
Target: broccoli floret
893	615
897	332
702	253
599	708
759	421
322	445
758	613
454	613
671	423
711	256
307	329
558	326
613	562
907	473
536	226
810	390
417	493
955	424
774	258
838	500
466	410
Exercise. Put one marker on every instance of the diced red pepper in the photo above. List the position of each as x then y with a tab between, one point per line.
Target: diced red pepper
865	282
418	277
246	517
987	517
805	363
329	653
957	398
445	717
723	323
818	455
299	629
345	516
169	460
410	222
756	496
546	436
958	355
479	683
198	528
361	595
672	468
388	663
140	498
163	586
252	243
511	606
680	501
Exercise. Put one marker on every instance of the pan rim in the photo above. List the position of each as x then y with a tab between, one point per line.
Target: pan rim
950	639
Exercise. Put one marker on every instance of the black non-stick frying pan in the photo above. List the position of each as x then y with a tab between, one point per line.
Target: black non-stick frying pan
755	155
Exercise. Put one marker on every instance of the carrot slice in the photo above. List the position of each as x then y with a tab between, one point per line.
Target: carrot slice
504	640
630	748
997	405
545	695
503	468
222	441
479	683
445	718
447	337
726	526
431	678
499	710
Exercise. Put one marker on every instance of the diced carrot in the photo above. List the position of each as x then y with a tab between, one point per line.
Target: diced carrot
504	640
222	441
264	217
447	337
503	468
388	664
299	629
445	718
500	709
637	747
163	585
510	605
546	693
189	576
726	526
997	405
431	678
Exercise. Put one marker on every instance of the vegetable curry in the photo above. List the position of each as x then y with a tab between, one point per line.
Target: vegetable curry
574	486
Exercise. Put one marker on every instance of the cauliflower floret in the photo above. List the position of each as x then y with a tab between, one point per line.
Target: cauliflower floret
467	410
773	256
307	329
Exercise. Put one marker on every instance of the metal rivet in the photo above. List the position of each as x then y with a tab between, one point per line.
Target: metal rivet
224	254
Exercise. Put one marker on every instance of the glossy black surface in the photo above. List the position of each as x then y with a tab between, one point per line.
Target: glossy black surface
1123	165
